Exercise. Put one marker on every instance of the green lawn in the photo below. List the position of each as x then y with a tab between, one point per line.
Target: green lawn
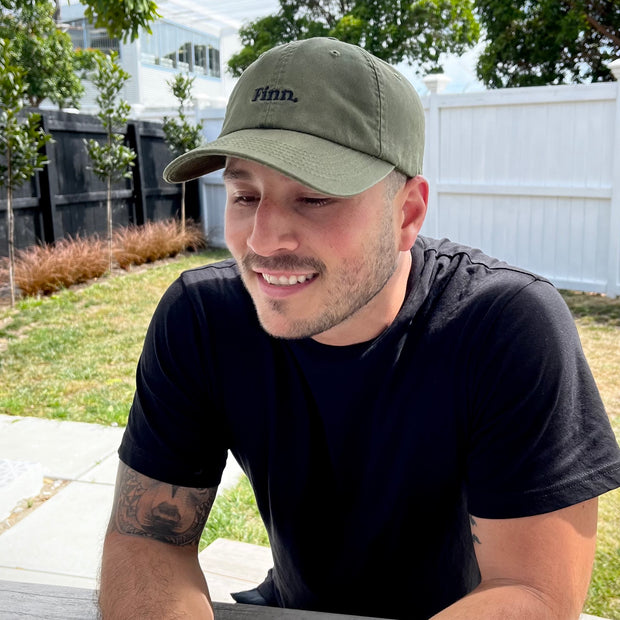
72	356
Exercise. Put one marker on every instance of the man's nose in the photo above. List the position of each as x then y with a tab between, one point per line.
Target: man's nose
273	229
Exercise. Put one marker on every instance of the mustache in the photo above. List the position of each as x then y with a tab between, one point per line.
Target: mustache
284	262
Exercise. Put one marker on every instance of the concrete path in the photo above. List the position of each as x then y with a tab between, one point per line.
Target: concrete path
60	541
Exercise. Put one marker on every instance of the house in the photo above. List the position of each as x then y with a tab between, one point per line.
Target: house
191	37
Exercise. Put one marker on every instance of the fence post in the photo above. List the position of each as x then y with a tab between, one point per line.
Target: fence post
613	271
52	229
436	83
135	142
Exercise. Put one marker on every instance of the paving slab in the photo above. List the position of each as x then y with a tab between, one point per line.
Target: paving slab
18	480
104	472
60	542
232	566
63	537
231	558
66	450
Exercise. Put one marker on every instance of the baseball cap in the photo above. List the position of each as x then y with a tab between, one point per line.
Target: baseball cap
325	113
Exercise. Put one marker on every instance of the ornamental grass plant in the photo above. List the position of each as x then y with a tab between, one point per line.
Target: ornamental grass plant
42	270
136	245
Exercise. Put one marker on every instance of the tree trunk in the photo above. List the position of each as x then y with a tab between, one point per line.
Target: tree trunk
10	226
109	215
183	208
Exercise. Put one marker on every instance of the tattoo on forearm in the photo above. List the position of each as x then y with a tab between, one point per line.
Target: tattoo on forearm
473	524
169	513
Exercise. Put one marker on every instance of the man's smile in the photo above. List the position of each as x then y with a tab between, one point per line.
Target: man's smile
287	280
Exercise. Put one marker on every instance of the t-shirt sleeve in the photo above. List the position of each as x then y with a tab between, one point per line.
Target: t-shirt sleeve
539	437
175	433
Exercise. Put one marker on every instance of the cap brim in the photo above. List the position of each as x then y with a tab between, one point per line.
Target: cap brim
317	163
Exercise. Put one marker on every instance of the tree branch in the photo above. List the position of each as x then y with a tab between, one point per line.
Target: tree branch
600	28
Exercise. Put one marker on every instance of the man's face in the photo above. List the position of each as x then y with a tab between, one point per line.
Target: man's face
315	265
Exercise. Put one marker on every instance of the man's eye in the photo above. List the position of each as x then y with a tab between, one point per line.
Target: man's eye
315	202
245	199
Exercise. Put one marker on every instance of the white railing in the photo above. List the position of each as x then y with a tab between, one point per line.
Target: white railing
529	175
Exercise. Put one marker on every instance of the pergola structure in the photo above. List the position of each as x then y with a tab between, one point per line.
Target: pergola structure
222	15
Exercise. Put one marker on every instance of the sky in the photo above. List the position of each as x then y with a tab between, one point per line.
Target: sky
460	69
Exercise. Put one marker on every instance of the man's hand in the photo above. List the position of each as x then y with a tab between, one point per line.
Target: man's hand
150	563
534	568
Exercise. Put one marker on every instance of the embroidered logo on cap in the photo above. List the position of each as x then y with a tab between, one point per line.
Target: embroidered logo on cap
264	93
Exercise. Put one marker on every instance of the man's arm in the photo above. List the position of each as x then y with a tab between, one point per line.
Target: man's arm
150	563
534	568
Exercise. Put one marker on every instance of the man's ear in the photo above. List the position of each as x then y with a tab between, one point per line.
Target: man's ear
413	200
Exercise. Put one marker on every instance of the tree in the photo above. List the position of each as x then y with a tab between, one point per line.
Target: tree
21	140
44	53
547	42
181	135
122	18
417	32
112	160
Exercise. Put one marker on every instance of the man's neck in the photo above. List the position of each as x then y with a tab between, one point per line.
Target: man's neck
377	315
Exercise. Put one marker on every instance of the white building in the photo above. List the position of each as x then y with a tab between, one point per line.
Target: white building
192	37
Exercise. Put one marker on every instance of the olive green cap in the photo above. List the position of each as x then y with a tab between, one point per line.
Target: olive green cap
325	113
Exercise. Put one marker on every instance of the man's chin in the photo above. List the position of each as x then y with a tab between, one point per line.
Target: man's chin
285	330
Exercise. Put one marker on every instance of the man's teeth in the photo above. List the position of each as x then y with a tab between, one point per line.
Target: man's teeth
287	280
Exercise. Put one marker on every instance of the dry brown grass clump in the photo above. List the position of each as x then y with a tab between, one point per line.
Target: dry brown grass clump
41	270
49	268
153	241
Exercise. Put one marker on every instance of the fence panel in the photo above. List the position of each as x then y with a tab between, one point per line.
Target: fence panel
531	176
29	224
77	197
67	199
155	199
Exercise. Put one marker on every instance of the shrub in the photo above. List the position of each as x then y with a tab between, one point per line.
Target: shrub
49	268
41	270
153	241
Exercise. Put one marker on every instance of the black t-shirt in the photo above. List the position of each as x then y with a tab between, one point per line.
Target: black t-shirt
367	460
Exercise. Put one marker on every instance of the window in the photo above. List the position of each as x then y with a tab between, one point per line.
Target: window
174	46
85	36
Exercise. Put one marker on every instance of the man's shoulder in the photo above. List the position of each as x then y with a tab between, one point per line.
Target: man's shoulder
465	256
446	262
206	290
223	270
456	280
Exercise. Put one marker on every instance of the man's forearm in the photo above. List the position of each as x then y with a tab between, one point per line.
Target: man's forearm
144	578
507	600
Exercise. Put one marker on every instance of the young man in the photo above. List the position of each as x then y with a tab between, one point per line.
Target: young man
417	420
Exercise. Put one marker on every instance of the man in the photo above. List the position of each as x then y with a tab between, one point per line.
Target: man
418	422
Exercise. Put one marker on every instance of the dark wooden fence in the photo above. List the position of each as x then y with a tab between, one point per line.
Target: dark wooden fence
67	199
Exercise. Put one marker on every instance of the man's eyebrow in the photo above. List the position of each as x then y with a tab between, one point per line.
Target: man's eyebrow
236	174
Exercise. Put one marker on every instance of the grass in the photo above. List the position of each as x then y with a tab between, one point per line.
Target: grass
598	322
235	516
72	355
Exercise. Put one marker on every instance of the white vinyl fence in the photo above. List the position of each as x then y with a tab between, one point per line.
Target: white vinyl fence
529	175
